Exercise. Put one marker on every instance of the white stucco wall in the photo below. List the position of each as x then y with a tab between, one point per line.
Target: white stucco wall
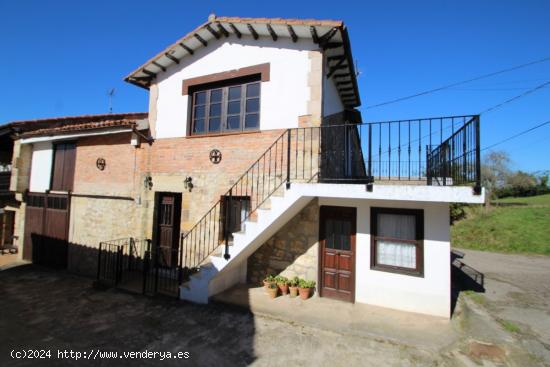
430	294
331	99
41	166
283	98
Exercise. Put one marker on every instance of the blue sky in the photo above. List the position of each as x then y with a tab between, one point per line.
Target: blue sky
60	58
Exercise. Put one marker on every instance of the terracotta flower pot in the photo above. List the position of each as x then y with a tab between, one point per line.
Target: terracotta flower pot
272	292
293	292
283	288
304	293
267	283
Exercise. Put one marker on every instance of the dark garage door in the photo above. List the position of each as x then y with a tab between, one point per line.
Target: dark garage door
46	229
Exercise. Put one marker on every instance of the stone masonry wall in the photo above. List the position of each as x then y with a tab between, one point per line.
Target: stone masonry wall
292	251
94	220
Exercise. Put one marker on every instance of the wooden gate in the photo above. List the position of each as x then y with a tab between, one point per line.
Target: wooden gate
46	229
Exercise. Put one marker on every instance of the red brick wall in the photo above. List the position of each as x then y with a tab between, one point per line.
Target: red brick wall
168	161
190	157
118	176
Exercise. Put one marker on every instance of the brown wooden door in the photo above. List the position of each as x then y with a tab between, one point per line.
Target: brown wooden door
46	229
337	252
168	228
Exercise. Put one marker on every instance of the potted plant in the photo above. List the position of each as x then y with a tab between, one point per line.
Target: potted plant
293	286
270	279
282	283
272	290
305	288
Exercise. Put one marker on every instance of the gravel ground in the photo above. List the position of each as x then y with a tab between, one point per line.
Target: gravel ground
42	309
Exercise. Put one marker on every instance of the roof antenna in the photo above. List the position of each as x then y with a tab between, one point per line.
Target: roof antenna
357	71
111	94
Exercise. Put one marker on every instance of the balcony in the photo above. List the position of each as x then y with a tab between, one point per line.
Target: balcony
442	151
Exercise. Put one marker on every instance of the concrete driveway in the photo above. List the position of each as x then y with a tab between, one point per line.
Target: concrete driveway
43	309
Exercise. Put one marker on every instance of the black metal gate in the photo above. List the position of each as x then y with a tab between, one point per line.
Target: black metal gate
138	266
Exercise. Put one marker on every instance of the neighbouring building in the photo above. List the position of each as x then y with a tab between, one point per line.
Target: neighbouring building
252	160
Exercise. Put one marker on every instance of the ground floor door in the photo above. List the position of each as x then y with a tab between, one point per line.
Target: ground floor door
168	215
46	229
337	252
7	225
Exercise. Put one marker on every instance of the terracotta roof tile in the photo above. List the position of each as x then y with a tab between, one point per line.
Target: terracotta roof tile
62	125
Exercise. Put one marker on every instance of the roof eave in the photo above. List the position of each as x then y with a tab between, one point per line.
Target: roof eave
347	47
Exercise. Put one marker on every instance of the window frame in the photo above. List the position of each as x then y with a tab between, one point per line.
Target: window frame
224	86
418	271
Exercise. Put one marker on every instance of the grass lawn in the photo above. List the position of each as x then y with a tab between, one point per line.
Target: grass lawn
514	225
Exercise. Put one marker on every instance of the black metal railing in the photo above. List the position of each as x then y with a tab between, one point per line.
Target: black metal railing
138	266
456	161
400	150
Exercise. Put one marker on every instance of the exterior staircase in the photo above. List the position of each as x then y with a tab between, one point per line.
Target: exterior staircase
217	274
337	154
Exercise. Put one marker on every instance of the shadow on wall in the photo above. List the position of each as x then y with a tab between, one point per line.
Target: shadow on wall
293	251
60	254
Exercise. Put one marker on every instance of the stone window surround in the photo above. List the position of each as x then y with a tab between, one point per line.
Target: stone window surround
188	85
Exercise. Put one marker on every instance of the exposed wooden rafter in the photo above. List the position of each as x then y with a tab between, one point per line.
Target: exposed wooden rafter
328	45
345	89
335	58
222	30
147	72
342	76
172	58
314	34
339	65
335	68
236	30
347	82
252	31
186	48
142	78
158	65
201	40
212	31
292	33
271	32
325	38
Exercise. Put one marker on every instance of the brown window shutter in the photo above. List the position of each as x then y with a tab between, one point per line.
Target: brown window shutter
68	166
63	167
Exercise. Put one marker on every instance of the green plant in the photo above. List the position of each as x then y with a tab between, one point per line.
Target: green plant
281	280
272	285
509	326
270	279
294	282
306	283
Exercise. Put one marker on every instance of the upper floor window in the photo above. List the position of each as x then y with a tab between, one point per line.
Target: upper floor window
226	108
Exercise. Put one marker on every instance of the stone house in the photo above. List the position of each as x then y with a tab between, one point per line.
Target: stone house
251	160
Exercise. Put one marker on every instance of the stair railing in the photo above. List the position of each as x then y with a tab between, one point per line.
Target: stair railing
403	151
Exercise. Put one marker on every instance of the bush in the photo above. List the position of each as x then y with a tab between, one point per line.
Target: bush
457	212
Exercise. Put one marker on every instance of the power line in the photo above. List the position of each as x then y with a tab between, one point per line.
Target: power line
458	83
532	90
517	135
